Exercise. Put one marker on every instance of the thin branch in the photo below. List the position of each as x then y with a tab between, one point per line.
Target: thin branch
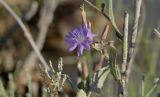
93	6
26	33
106	16
46	17
26	16
84	18
153	88
32	10
105	32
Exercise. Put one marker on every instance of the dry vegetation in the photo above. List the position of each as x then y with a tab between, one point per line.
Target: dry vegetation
123	62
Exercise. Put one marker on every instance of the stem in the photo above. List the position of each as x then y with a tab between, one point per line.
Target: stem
153	88
46	17
136	22
134	39
125	43
84	18
105	32
143	85
106	16
123	85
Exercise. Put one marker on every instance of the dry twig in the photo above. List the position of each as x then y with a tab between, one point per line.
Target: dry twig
46	17
26	33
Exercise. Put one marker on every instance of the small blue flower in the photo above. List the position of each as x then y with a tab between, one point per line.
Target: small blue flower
80	38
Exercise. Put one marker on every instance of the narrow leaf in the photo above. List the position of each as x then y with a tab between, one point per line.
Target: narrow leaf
112	19
99	79
112	62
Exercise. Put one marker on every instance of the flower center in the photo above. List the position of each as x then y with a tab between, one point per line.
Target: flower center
80	39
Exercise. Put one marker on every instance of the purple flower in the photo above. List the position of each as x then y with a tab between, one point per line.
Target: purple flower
80	38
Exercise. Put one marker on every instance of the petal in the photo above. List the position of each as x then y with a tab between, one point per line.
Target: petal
76	32
85	30
91	35
86	45
89	41
70	41
80	50
73	47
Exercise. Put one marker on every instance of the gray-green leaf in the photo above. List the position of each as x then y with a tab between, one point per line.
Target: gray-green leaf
99	79
112	62
112	19
81	93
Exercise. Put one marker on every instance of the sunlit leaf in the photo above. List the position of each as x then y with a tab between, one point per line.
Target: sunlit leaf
99	79
81	93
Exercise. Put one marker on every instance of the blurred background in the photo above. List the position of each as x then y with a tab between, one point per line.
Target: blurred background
16	53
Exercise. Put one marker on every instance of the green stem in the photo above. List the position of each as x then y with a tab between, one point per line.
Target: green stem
153	88
125	43
150	91
118	34
143	85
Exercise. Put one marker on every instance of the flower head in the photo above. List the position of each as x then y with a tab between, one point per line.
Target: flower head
80	38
